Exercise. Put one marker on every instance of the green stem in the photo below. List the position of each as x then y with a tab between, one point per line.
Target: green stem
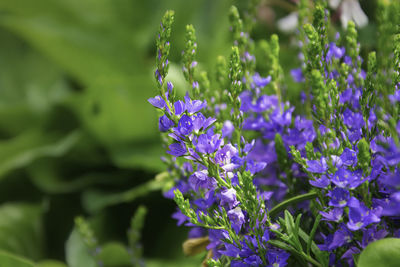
281	206
312	233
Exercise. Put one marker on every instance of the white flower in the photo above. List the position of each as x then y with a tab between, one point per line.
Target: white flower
288	23
350	10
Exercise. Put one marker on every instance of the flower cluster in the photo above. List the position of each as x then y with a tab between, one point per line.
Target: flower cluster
246	167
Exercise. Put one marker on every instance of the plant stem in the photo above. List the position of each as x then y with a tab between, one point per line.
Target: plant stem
281	206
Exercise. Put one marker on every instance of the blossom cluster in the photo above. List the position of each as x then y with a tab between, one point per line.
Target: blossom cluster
246	167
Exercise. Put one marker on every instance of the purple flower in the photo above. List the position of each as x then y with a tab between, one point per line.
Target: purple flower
179	107
224	155
196	232
390	205
346	179
180	217
193	106
322	182
200	179
185	125
157	102
360	216
204	203
227	129
236	217
246	99
317	166
349	157
230	250
201	122
334	51
348	256
265	102
277	258
260	81
353	120
297	75
165	124
338	239
333	215
177	149
255	167
339	197
253	260
228	197
208	144
372	234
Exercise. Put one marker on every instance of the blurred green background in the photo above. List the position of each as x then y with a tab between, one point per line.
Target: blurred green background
77	135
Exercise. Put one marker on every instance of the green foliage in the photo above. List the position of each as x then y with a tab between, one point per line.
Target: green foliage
50	263
76	252
114	254
74	121
20	227
384	252
8	259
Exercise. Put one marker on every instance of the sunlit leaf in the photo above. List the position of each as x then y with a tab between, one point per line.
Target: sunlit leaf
384	252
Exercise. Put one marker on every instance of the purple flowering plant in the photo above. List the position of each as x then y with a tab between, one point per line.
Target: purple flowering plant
261	183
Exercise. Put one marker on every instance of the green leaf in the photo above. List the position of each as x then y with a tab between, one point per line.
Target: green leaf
50	263
23	149
51	178
20	227
189	262
139	155
384	252
10	260
114	254
94	201
77	254
30	86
